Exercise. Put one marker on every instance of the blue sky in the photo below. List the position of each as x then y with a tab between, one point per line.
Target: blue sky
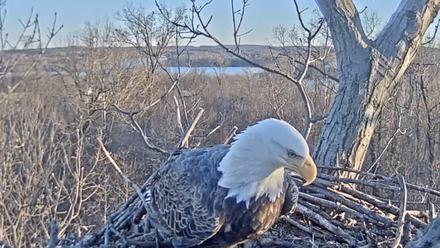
261	16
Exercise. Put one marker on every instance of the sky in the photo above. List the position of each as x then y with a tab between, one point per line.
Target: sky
261	15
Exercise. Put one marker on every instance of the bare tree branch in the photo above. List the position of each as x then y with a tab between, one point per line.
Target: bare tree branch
184	142
298	81
115	165
402	215
230	135
136	126
238	26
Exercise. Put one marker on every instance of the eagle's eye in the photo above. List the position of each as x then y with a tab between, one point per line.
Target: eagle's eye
291	154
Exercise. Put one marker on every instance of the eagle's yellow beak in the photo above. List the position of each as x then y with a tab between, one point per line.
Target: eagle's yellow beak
308	170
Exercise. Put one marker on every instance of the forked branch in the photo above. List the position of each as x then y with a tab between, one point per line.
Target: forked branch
139	130
202	29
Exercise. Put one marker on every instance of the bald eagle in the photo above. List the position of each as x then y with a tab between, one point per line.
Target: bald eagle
224	195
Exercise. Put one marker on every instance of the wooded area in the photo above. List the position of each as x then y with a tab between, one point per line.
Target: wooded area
75	140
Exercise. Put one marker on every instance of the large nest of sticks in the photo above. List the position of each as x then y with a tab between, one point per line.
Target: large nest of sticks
329	214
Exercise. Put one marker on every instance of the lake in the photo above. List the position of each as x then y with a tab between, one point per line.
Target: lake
216	70
213	71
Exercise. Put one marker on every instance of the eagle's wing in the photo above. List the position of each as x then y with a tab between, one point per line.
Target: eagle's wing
291	198
185	201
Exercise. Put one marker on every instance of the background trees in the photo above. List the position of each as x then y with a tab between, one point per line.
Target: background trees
369	69
361	94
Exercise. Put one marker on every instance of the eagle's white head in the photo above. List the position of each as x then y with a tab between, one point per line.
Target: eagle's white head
254	165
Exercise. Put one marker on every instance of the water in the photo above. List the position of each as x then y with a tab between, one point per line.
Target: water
212	71
216	70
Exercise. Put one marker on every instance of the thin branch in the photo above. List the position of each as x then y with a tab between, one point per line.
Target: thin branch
385	178
301	227
236	26
184	143
401	220
136	126
319	70
53	31
326	224
126	179
196	12
222	121
178	116
390	140
230	135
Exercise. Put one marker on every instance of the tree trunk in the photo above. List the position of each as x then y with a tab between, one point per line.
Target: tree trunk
369	72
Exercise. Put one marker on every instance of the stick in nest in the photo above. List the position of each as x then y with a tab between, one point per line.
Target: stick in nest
401	220
230	135
126	179
184	142
385	178
327	225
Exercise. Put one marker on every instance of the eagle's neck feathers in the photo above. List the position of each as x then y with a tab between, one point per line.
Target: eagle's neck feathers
252	168
270	187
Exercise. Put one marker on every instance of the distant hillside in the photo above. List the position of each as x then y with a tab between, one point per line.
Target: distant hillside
212	55
194	56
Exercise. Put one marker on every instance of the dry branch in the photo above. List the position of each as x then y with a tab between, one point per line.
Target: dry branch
126	179
327	210
184	142
138	129
402	214
197	26
230	135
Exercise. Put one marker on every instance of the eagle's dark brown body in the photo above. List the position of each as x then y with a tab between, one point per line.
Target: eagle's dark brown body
186	204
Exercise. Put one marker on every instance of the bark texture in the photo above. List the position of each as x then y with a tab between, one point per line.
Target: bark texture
369	72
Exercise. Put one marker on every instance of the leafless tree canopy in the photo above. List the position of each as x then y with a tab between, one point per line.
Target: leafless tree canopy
84	127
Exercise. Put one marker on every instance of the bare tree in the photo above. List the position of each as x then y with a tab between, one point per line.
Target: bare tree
30	37
369	74
54	141
297	49
369	70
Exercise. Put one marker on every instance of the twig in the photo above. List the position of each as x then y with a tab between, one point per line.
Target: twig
327	225
179	118
385	178
373	201
401	220
234	22
358	207
303	228
222	122
390	140
230	135
184	141
331	205
126	179
140	131
373	184
432	213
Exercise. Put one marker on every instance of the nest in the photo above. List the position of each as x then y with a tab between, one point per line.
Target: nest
330	213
